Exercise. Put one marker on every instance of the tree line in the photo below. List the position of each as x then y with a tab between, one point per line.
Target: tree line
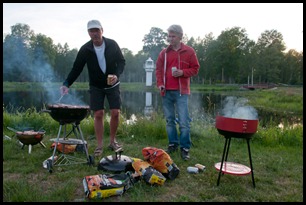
229	58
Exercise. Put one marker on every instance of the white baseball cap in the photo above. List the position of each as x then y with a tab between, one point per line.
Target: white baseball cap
94	24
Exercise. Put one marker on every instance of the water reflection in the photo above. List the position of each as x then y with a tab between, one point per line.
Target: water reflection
148	110
202	106
139	103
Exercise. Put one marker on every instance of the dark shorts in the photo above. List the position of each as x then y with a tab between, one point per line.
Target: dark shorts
98	95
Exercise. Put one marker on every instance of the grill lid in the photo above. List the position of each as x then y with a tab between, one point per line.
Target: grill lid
236	127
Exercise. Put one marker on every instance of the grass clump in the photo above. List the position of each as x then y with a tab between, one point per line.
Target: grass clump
277	155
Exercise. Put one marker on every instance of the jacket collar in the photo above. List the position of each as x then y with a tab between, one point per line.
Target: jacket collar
169	48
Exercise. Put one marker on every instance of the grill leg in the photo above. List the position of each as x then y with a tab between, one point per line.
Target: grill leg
225	150
81	134
250	157
228	146
42	144
75	126
56	142
30	148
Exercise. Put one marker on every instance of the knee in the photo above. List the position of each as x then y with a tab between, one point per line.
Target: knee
99	114
171	122
115	113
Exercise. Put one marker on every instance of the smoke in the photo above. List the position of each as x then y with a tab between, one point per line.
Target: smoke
33	66
236	108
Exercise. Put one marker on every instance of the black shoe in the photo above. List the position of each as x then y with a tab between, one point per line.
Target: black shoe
171	148
185	154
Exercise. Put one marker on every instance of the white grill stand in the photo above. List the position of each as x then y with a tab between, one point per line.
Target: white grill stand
66	159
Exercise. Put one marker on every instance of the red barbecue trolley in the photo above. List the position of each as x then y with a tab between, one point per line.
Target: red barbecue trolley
235	128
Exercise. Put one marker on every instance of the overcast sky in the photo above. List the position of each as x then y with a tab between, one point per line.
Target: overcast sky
128	23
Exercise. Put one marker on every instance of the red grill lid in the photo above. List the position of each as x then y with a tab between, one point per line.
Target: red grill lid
236	125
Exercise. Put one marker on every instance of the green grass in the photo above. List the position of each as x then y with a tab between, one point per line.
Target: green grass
281	99
277	155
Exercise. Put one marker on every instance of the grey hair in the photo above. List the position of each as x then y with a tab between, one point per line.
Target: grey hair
176	29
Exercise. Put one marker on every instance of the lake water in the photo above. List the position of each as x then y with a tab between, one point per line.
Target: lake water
139	103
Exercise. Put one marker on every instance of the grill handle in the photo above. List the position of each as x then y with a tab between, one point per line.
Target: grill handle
12	129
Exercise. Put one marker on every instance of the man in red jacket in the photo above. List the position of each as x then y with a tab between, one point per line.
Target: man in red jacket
174	67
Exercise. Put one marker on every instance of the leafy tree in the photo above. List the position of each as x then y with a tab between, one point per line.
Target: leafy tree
231	44
16	53
270	48
22	31
154	42
62	61
130	70
197	45
247	63
140	59
43	59
231	57
211	65
291	72
201	47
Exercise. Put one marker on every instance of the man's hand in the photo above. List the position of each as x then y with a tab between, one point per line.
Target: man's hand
64	90
114	79
178	73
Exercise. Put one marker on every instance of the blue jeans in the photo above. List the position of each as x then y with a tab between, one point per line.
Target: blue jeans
174	103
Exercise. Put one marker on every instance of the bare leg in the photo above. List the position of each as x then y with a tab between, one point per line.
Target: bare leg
99	126
114	122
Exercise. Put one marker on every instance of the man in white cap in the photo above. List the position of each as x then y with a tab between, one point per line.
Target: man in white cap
103	58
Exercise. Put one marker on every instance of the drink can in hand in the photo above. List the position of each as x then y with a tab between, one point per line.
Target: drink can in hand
173	69
109	79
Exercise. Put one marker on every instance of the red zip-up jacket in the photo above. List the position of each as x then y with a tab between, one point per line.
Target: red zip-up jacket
186	61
